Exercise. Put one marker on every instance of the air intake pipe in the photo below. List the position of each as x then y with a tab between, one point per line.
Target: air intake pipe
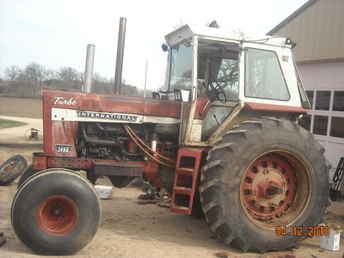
87	86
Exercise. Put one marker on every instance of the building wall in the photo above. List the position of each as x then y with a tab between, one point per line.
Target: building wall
318	31
317	28
324	83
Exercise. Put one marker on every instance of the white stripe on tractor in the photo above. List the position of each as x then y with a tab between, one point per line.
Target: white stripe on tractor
62	114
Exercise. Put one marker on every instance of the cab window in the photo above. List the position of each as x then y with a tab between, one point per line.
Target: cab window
181	67
218	70
263	76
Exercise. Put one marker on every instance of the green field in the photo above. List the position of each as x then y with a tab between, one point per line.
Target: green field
4	123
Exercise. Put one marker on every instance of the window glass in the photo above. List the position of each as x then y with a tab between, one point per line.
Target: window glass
218	70
305	122
227	79
338	101
322	101
310	95
337	127
320	125
181	67
264	78
304	99
214	117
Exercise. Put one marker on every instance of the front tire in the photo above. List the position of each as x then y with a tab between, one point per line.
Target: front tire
28	172
56	212
262	175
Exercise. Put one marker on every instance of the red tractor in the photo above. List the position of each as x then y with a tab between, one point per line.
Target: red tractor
223	137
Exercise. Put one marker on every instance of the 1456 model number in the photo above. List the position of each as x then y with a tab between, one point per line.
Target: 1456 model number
63	148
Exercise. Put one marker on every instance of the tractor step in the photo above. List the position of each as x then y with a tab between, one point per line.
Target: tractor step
186	179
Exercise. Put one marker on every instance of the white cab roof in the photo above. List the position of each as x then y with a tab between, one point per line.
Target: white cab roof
188	31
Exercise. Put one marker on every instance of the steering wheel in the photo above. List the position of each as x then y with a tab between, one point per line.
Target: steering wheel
219	91
226	77
220	84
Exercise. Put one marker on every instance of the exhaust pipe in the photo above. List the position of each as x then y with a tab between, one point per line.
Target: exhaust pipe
87	87
120	53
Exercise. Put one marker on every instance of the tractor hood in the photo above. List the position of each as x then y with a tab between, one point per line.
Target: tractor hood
90	107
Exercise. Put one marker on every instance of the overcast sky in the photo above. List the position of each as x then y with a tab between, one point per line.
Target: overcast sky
55	33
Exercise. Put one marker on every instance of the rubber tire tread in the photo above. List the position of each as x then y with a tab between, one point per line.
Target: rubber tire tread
40	187
227	162
7	177
28	172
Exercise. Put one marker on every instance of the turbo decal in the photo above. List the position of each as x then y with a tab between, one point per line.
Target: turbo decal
63	101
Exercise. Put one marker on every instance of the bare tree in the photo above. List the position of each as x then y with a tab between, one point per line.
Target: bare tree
50	75
70	78
12	73
101	84
33	77
29	81
68	74
34	72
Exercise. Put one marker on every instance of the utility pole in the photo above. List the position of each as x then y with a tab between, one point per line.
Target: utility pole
146	72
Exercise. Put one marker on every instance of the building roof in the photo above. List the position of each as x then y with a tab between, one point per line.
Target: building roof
317	29
292	16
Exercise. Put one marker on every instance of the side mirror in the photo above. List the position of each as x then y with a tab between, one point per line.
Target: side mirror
185	95
164	47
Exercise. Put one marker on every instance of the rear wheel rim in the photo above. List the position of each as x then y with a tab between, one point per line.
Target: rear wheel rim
57	215
270	189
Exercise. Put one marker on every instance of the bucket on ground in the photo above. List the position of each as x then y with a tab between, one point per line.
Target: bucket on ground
104	191
332	240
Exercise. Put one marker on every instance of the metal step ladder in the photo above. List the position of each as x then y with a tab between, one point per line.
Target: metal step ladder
186	179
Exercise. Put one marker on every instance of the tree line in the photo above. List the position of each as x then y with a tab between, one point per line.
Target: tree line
29	81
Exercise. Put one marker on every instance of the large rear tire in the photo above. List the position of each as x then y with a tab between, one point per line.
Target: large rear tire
262	175
56	212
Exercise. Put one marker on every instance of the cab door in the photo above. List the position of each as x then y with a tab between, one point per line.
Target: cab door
183	83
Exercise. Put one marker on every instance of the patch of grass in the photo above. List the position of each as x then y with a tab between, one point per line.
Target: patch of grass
4	123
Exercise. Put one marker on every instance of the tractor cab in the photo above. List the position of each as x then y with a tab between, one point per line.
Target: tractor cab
215	73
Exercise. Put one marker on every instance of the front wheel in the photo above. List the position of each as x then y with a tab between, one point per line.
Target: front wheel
56	212
261	178
28	172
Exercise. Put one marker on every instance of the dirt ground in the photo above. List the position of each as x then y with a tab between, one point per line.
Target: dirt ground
130	230
20	134
21	107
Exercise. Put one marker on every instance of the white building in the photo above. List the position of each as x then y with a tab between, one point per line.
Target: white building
318	29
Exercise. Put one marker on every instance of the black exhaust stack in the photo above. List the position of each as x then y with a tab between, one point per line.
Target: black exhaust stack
120	53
